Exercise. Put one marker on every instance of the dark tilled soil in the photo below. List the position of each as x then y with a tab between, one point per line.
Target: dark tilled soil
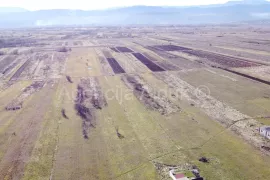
117	69
124	49
151	65
223	60
219	59
161	53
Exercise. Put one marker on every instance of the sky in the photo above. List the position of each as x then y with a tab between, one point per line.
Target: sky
99	4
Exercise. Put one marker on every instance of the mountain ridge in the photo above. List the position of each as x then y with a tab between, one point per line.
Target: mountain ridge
225	13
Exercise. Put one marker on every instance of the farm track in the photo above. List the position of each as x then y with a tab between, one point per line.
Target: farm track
247	76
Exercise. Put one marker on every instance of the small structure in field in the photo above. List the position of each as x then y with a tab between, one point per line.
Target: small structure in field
265	131
180	176
184	176
176	176
13	106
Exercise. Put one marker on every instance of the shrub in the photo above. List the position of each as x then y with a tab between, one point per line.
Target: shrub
63	49
15	52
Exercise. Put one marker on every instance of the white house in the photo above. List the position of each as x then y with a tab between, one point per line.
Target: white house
265	131
175	176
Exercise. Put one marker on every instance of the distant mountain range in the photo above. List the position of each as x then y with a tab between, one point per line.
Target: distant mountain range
231	12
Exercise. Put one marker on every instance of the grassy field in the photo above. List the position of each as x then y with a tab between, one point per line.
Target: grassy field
136	134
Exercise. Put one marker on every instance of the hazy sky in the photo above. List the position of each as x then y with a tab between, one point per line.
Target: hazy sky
99	4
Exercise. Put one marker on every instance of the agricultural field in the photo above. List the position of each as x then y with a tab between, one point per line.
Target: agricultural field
76	104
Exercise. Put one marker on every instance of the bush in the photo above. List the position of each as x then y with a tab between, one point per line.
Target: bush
63	49
15	52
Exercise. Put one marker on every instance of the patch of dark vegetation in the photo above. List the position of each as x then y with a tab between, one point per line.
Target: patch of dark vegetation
204	160
114	49
17	42
77	43
97	103
170	48
15	52
35	86
13	106
266	148
124	49
152	66
263	42
68	36
69	79
117	69
152	100
119	135
89	99
63	111
63	49
83	111
87	117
